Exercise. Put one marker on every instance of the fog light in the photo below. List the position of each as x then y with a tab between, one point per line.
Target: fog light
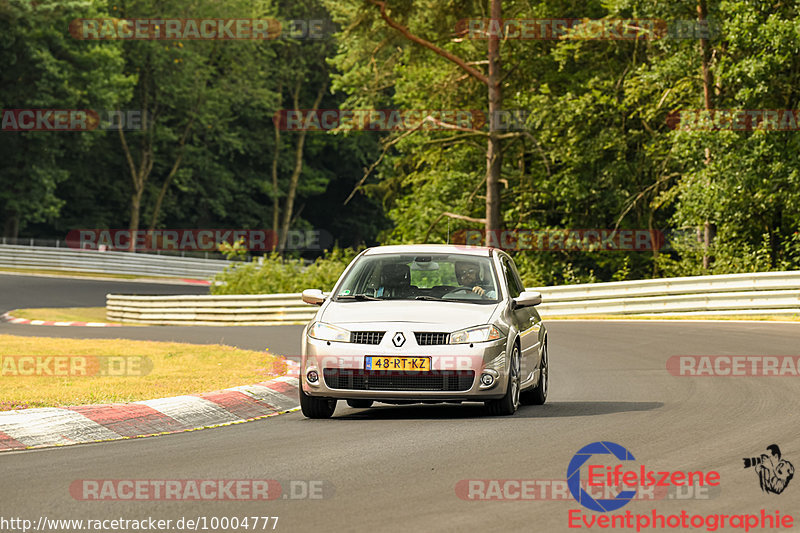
312	376
487	380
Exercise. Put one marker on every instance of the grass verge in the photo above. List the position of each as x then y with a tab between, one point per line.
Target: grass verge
63	314
83	274
69	273
121	370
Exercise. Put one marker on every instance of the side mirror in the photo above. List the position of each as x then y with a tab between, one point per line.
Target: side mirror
313	296
527	299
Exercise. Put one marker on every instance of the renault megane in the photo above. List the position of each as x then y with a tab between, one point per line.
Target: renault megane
425	323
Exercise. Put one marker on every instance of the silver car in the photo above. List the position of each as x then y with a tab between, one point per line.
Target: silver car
425	323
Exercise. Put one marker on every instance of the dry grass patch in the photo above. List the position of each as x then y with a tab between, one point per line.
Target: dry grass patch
64	314
149	370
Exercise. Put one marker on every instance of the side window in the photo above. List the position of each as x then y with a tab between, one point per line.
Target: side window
515	276
512	281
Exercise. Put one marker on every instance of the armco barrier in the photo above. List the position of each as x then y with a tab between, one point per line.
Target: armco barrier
757	293
769	292
93	261
204	310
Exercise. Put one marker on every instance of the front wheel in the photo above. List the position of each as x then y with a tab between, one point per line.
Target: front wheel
508	404
538	394
316	407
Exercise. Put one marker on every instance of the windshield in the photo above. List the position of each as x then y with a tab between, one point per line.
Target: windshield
439	277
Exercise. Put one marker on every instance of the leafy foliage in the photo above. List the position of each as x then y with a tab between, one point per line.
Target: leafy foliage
593	147
273	274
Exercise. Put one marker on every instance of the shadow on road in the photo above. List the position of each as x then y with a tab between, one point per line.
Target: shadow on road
569	409
477	410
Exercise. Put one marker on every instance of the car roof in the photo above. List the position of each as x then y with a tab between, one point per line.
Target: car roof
430	249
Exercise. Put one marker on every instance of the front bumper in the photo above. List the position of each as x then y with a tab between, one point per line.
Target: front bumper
341	365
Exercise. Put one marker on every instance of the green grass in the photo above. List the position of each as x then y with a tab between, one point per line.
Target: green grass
63	314
69	273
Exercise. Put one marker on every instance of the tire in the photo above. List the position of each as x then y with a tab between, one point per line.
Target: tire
316	407
508	404
360	404
538	394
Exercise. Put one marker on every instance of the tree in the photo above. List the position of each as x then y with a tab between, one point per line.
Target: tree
182	88
492	81
43	67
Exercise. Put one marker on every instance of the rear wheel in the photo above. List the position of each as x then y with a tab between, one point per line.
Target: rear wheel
538	394
316	407
508	404
360	404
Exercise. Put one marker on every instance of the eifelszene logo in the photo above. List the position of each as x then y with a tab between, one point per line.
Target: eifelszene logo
618	477
574	477
774	473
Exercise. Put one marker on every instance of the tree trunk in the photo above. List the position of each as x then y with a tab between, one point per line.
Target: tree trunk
492	82
136	205
276	206
298	168
174	170
494	156
140	173
708	83
139	178
11	225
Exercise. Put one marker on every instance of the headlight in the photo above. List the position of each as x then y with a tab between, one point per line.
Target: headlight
479	334
327	332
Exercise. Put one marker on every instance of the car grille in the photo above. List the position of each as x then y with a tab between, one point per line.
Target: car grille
429	339
366	337
358	379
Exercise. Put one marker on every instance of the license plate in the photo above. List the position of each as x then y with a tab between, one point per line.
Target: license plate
419	364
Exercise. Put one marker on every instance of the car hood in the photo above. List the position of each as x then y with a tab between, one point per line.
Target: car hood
454	314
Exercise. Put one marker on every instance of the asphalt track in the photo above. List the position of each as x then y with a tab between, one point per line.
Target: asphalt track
395	468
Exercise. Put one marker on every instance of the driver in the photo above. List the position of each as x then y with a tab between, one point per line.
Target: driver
468	275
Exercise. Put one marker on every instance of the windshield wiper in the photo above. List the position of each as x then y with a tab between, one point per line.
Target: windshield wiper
359	297
428	298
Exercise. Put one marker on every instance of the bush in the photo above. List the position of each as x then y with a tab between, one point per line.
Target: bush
274	275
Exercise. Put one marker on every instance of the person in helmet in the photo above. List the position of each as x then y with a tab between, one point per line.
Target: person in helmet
468	274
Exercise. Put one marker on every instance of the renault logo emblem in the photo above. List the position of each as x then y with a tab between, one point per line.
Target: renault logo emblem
399	339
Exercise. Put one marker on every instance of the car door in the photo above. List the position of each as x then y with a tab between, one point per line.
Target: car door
523	320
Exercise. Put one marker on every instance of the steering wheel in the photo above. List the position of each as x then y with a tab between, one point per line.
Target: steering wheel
440	290
463	289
